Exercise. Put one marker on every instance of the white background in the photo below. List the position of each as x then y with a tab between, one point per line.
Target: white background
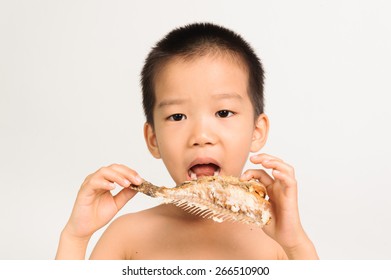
70	102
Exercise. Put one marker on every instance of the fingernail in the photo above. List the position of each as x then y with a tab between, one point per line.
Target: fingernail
138	179
126	183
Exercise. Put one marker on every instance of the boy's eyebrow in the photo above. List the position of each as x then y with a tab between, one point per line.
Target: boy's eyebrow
179	101
227	95
168	102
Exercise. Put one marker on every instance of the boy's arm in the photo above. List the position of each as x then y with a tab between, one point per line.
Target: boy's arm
285	226
71	248
302	251
95	206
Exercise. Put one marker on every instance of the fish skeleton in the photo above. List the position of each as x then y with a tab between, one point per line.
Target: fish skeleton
221	198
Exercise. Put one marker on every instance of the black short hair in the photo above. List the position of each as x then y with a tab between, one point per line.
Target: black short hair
198	39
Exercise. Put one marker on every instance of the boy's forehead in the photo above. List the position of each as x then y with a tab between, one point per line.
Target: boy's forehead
183	71
221	76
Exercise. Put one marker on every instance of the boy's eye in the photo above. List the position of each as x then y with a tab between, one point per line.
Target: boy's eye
224	114
177	117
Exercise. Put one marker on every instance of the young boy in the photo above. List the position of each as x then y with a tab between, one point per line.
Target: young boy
203	99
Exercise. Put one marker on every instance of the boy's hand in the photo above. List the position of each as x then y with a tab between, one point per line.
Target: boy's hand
285	226
95	205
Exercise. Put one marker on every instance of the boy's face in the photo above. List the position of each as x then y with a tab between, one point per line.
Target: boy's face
203	118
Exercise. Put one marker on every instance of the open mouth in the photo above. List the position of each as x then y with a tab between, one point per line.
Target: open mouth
201	170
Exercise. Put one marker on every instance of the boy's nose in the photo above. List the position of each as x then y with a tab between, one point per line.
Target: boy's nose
202	134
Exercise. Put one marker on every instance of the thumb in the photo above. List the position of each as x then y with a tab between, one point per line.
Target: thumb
123	197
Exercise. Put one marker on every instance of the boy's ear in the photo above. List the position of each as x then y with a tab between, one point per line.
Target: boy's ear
150	139
260	134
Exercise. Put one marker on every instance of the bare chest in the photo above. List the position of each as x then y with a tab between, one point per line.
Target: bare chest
192	242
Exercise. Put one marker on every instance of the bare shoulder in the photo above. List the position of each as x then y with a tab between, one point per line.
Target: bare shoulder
119	239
